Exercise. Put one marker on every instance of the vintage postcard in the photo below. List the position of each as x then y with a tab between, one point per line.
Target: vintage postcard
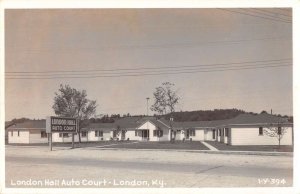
149	98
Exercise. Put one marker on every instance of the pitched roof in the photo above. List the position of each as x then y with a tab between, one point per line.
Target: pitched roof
245	119
135	122
256	119
194	124
102	126
30	124
130	122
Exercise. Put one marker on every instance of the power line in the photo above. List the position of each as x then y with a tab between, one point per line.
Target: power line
149	68
284	9
264	15
158	70
149	74
270	14
254	15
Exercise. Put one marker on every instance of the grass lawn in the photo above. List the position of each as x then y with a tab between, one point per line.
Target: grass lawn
194	145
266	148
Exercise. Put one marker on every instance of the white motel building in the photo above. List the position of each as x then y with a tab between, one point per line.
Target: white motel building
245	129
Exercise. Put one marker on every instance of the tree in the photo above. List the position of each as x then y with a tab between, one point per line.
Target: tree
165	99
69	102
276	130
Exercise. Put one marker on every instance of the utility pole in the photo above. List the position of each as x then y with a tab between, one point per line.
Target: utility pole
147	104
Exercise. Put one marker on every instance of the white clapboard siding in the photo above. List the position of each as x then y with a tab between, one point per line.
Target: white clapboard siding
164	137
208	135
151	127
131	135
36	138
199	135
250	136
22	138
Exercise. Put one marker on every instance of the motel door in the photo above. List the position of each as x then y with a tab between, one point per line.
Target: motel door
187	134
123	135
145	134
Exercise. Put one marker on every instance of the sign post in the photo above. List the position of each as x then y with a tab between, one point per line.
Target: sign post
50	141
61	125
72	140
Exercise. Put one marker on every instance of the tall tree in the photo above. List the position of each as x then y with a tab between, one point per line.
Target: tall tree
165	101
165	98
69	102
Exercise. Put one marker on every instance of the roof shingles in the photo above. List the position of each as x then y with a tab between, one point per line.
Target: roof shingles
135	122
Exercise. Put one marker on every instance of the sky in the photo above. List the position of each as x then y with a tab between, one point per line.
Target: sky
208	54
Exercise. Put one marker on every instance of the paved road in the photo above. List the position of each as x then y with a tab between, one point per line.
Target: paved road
176	169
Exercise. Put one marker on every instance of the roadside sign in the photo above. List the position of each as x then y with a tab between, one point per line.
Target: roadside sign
61	125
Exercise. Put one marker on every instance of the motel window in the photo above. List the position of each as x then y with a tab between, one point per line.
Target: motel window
157	133
154	133
136	133
214	134
260	131
98	133
63	135
18	133
83	134
43	134
11	133
160	133
114	133
192	132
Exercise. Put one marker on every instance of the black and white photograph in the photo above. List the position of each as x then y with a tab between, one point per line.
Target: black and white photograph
148	98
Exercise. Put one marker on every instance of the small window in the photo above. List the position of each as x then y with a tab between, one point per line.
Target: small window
114	133
18	133
136	133
219	132
63	135
98	133
214	134
192	132
43	134
83	134
157	133
11	133
160	133
260	131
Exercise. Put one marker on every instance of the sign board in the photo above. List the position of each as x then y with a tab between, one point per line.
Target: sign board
61	125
